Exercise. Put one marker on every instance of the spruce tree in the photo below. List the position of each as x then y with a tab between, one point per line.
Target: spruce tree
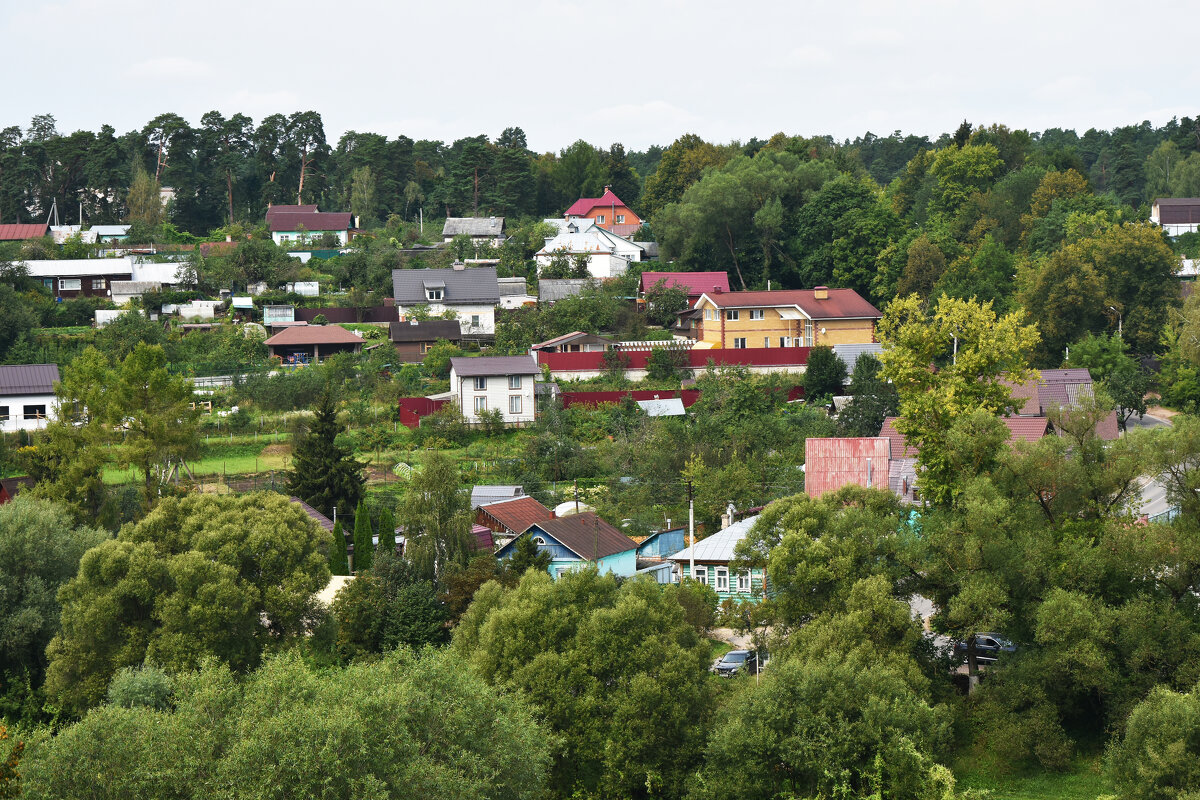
324	474
387	531
364	548
339	564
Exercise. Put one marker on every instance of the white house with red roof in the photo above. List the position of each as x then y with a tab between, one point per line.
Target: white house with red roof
292	224
608	255
607	211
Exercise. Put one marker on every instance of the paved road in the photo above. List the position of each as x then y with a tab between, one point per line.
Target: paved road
1145	421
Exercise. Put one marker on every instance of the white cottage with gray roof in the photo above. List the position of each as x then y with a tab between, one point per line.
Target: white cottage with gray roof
496	383
27	399
712	557
472	293
482	230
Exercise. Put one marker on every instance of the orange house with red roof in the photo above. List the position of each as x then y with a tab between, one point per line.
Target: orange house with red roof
607	211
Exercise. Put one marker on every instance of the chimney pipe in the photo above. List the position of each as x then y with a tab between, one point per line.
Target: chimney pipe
821	293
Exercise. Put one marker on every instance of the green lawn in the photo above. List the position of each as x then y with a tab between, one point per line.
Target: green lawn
239	459
1083	781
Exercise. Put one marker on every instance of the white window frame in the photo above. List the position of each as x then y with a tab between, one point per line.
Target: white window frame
480	405
701	575
514	381
474	320
766	341
732	315
514	404
743	581
620	219
559	572
721	579
739	343
480	383
758	313
39	411
808	332
70	285
3	413
783	341
599	219
433	295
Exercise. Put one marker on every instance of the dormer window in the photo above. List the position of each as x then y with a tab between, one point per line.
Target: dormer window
433	294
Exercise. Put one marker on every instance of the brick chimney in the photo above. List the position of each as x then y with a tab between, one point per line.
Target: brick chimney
821	293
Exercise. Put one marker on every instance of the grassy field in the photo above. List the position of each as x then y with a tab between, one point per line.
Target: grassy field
1083	781
241	458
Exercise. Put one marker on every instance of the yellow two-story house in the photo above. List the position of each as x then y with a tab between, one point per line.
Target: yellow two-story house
789	318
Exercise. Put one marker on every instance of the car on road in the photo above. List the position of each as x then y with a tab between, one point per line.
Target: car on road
989	647
735	662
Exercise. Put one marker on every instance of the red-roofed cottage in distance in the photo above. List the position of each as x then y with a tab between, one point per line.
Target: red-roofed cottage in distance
694	283
289	224
607	211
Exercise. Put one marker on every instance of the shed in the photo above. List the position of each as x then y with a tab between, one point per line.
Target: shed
312	343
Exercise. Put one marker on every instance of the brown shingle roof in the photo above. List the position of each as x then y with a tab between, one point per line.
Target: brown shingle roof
314	334
841	303
518	514
587	535
322	520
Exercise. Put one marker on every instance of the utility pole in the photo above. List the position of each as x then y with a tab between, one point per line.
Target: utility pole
577	495
691	534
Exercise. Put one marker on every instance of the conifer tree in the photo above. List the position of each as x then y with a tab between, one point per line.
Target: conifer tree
364	548
339	564
387	531
325	474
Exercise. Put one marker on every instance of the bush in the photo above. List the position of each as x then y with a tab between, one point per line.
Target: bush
1158	758
146	686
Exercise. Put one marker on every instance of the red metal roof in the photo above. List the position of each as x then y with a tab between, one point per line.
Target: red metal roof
313	221
584	205
483	538
286	209
1025	429
696	283
516	515
840	304
23	230
313	334
830	464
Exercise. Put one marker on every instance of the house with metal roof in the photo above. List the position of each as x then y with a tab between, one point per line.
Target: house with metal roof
487	231
1059	388
608	255
304	223
575	342
494	493
713	557
694	283
27	400
607	211
509	518
413	339
1176	215
16	232
495	383
110	233
76	277
310	343
577	541
788	318
551	290
471	293
514	293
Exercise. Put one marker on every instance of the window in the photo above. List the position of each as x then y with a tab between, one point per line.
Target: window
480	405
426	347
514	381
739	344
481	384
560	571
539	541
97	283
514	404
620	219
474	320
744	581
35	412
69	284
599	219
808	333
766	341
48	283
702	575
757	313
433	294
3	413
783	341
722	574
731	315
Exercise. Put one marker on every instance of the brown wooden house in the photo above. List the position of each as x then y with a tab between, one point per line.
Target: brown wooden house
413	339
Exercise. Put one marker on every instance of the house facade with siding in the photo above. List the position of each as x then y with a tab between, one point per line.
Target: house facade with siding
496	383
1176	215
80	277
713	557
789	318
471	293
578	541
27	401
413	340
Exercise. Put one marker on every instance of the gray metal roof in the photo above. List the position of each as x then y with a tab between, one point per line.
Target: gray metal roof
110	230
512	287
719	546
469	285
473	226
482	495
849	353
134	287
428	331
650	248
667	407
551	290
28	379
494	365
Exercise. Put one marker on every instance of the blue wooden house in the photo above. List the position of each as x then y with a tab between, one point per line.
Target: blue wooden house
578	540
712	557
662	544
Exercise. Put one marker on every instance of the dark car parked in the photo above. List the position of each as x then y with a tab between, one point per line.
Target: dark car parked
735	662
988	647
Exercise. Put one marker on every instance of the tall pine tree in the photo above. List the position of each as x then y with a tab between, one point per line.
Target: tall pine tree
364	548
324	474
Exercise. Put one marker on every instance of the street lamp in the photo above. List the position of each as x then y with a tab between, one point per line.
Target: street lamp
1120	320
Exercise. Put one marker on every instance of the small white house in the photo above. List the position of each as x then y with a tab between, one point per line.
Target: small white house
608	254
496	383
27	399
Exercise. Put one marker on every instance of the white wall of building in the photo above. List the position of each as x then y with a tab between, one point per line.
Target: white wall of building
308	237
17	420
497	395
479	320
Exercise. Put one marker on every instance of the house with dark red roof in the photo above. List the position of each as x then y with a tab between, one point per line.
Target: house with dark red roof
311	343
607	211
15	232
579	540
302	224
510	518
694	283
1176	215
1060	388
11	487
787	318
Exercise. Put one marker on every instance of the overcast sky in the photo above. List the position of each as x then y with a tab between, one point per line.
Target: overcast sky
639	73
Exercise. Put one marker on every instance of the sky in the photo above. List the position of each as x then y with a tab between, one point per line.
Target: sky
640	73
